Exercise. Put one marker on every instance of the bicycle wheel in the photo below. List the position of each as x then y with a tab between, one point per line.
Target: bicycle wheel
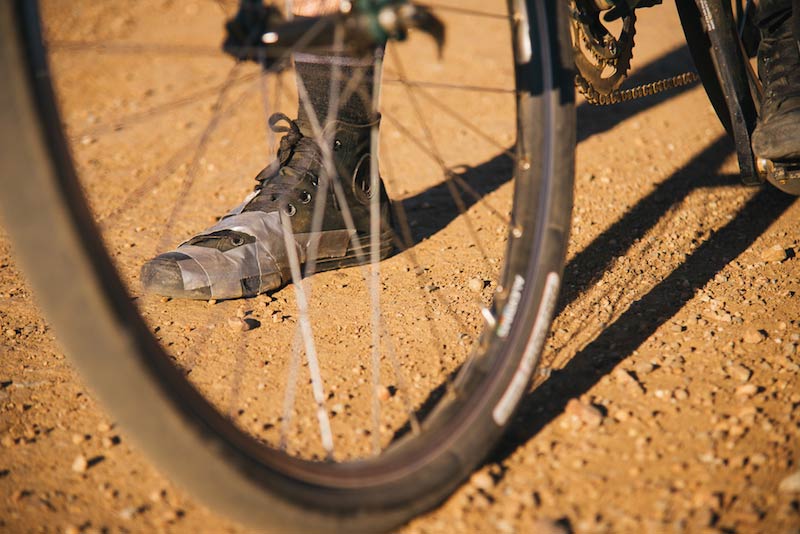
411	396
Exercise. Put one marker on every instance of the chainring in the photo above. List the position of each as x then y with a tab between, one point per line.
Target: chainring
602	60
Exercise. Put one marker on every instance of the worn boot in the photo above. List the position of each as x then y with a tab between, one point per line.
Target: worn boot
245	254
777	134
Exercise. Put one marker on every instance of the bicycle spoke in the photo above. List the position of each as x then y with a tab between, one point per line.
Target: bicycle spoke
449	183
291	390
331	173
166	169
318	214
433	153
308	338
268	110
405	244
328	165
133	48
191	172
402	383
118	124
450	176
461	119
454	86
375	258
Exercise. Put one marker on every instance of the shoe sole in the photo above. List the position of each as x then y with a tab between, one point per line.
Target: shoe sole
251	287
353	256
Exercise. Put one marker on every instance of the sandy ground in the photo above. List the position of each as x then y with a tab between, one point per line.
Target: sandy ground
668	397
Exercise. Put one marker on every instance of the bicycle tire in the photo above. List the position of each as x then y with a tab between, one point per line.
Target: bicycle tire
56	242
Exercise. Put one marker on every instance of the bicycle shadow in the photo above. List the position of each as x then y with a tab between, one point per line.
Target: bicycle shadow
644	316
588	266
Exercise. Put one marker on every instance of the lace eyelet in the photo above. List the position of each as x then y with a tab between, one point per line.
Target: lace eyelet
337	144
305	197
237	241
290	210
273	198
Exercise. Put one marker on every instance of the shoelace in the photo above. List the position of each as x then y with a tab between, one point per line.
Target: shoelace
298	155
783	68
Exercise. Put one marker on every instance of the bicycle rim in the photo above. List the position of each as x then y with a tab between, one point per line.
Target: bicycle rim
442	398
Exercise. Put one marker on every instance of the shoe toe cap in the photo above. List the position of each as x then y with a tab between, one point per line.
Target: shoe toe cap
163	276
779	138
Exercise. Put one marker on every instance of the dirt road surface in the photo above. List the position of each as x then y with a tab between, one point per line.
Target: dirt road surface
668	399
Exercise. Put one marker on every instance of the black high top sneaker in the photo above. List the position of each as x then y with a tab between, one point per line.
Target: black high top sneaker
245	254
777	134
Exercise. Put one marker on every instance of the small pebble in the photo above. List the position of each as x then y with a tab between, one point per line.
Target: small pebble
237	324
747	390
625	379
774	253
475	285
753	336
170	516
740	372
103	427
80	464
622	415
78	438
791	483
548	526
482	480
383	393
585	412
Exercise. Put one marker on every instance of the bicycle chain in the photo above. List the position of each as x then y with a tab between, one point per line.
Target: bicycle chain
616	96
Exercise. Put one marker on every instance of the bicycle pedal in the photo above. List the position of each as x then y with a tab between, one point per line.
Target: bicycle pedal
785	175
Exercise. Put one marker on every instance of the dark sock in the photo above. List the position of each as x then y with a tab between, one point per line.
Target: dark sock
317	73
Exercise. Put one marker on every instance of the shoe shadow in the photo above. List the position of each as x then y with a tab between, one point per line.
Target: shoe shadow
490	175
